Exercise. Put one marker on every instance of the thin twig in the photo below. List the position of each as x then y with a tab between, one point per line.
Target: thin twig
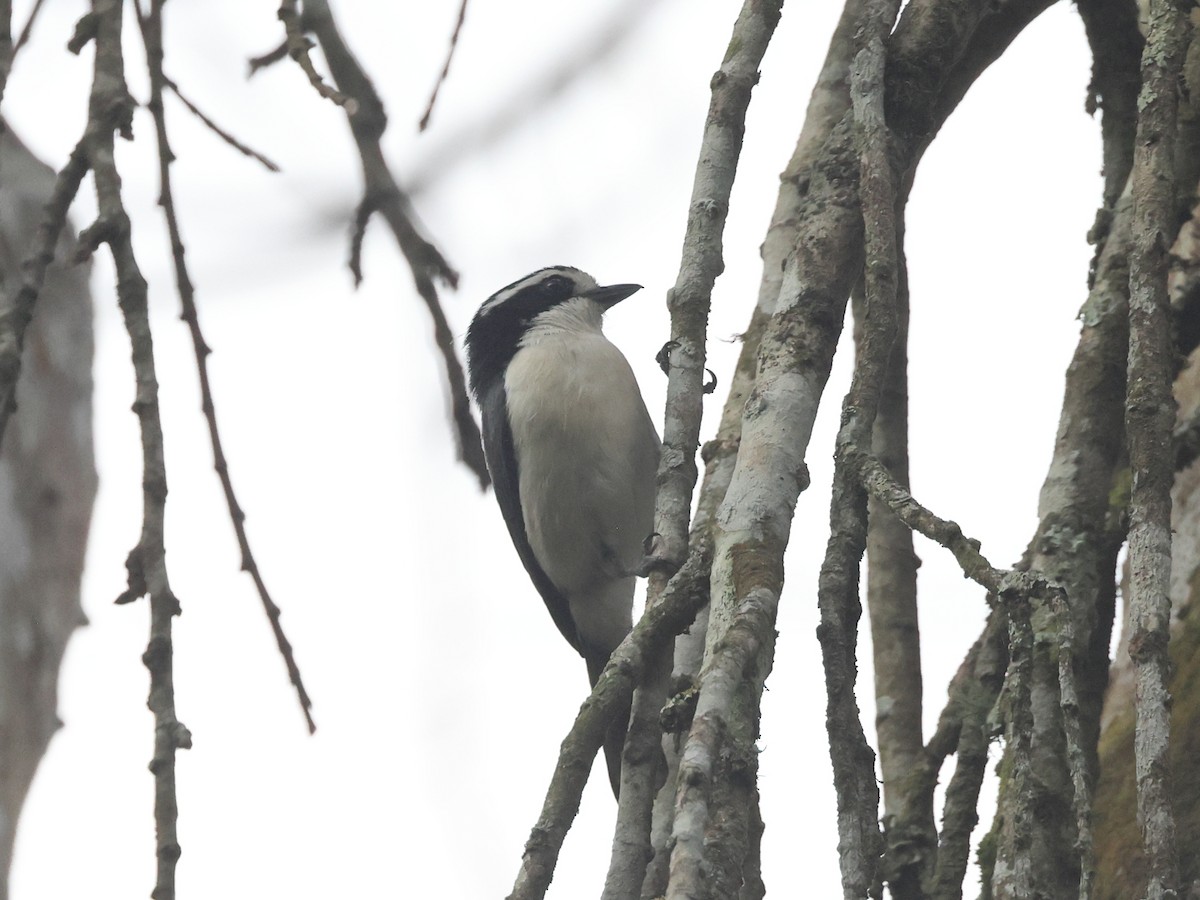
269	58
111	109
1149	414
383	193
966	550
27	30
152	37
217	129
462	16
540	94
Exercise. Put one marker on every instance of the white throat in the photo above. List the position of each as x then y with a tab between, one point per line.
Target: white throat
579	316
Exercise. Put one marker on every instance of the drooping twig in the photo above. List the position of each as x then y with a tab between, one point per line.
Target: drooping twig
383	194
111	109
441	79
1149	413
685	595
151	27
217	129
689	302
540	94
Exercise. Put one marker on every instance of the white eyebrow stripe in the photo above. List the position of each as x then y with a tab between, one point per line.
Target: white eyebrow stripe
497	299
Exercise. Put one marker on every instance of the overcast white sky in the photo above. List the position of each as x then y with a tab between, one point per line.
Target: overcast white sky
441	687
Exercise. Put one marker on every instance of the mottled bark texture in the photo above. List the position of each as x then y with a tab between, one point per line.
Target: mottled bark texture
1080	529
1150	418
47	483
643	771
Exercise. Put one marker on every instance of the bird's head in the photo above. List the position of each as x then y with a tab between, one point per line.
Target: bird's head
557	296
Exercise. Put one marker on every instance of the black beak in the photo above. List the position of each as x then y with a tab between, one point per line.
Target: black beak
612	294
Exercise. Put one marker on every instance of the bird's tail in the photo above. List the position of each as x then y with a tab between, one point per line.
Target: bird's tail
614	738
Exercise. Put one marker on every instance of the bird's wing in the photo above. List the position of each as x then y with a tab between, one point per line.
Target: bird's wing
501	457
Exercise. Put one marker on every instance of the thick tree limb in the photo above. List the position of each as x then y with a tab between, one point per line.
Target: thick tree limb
689	303
686	594
1149	412
860	843
829	101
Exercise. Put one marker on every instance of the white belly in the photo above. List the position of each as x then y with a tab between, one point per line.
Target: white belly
587	454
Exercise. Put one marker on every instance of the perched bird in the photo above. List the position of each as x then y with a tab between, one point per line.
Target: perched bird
572	452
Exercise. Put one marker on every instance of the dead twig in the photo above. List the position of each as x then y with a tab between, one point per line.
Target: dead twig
462	16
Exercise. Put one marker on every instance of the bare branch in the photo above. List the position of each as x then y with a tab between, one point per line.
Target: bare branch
860	844
685	595
152	37
367	123
541	93
111	109
689	303
27	30
966	550
297	48
1150	411
269	58
462	15
218	130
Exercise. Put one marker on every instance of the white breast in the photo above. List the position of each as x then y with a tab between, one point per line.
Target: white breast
587	453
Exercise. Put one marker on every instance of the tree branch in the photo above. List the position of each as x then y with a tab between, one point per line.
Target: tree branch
111	109
151	27
685	595
441	79
367	123
689	303
1150	412
860	844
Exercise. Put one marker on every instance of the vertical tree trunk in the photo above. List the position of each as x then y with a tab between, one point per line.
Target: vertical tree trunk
47	484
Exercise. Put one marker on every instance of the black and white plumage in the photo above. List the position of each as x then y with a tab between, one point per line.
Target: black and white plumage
572	452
